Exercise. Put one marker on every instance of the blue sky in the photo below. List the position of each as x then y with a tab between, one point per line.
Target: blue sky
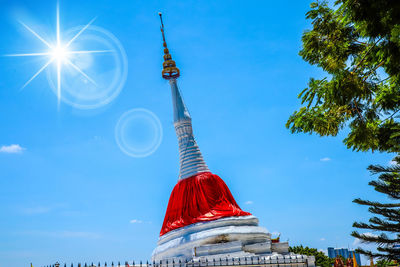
72	195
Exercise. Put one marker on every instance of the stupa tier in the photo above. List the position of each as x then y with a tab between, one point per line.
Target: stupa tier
203	223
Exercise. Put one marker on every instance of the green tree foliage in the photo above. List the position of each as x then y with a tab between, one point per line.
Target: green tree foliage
320	258
386	221
357	44
385	263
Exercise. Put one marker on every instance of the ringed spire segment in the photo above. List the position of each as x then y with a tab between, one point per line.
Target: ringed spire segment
170	71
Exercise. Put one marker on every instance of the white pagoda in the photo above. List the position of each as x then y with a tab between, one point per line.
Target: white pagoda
203	222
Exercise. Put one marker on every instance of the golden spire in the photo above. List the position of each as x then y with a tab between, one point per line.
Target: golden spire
170	71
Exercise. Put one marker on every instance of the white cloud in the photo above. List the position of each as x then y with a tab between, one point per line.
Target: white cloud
70	234
97	138
367	246
135	221
36	210
325	251
392	162
358	242
64	234
12	149
249	202
325	159
322	239
42	209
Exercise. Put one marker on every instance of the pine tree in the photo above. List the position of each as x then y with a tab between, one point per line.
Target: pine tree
386	221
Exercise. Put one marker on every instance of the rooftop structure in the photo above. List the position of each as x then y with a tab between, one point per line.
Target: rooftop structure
344	252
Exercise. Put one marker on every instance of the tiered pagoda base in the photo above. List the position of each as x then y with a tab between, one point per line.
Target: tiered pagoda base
237	239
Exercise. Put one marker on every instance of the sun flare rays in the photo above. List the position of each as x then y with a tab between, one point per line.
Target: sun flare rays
58	53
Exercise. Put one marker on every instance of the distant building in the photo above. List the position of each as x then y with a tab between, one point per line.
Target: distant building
344	252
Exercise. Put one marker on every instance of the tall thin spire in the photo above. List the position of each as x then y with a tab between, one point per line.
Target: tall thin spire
191	159
170	71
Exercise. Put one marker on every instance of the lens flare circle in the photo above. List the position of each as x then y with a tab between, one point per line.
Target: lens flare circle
90	79
138	133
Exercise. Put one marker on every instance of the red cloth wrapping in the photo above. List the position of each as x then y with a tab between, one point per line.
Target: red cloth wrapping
202	197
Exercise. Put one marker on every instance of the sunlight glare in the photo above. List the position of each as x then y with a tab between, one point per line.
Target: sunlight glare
59	53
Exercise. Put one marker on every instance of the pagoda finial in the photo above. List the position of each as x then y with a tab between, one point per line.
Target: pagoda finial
170	71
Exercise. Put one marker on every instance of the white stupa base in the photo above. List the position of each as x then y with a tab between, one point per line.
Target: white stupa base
229	239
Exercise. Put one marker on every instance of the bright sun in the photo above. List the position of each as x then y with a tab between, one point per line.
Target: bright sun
58	53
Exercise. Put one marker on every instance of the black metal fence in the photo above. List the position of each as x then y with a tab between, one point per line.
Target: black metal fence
286	261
